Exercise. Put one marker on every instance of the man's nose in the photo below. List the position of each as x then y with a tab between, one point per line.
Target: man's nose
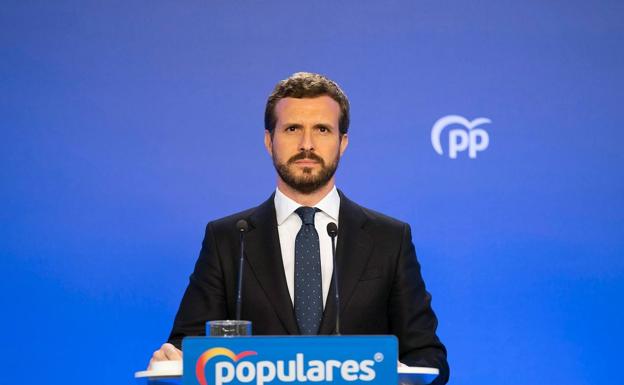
306	142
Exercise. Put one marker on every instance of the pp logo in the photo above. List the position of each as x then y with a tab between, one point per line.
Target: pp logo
468	138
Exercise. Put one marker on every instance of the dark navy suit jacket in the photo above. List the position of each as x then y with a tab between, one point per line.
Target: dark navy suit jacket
381	288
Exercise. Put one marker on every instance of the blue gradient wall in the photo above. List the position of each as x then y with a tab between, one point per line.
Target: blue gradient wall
127	126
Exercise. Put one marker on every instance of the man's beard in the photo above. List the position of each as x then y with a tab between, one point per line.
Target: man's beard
308	183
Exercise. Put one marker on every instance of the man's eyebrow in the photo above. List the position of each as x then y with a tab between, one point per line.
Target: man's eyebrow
317	125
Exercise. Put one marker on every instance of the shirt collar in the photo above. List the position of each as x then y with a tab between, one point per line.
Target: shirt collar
284	206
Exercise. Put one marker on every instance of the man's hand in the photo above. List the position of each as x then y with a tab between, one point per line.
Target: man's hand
167	352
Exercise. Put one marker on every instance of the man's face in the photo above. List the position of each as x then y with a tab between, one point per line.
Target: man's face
306	143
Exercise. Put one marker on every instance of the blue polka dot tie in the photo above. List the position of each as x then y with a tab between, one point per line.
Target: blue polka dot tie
308	289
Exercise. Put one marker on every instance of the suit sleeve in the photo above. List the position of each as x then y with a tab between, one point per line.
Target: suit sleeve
204	298
412	319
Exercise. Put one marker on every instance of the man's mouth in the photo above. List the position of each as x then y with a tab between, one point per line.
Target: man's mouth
306	162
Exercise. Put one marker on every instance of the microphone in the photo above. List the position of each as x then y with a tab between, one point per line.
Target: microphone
242	228
332	231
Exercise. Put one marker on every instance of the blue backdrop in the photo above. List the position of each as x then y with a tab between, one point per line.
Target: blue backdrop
128	125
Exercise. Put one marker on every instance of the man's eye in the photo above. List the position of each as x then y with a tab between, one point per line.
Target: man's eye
323	129
291	129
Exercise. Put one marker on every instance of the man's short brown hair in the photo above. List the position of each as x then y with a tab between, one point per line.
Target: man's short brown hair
306	85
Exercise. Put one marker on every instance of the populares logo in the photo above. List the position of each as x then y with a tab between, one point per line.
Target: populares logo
468	138
231	367
200	366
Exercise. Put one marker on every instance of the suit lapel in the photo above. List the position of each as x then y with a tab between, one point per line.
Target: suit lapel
352	253
264	256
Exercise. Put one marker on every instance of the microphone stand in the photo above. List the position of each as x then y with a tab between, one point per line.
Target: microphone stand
241	226
332	231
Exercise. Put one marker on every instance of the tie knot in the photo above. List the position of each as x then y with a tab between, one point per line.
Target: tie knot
307	214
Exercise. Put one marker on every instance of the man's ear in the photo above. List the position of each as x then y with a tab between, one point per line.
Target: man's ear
268	142
344	142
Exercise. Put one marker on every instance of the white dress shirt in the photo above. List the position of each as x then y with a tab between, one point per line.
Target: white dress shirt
289	224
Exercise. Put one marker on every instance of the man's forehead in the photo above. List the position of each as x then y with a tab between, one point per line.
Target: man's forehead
322	103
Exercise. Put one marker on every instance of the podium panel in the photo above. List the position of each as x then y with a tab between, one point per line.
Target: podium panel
261	360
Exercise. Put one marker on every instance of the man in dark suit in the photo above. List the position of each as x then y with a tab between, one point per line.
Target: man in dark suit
288	264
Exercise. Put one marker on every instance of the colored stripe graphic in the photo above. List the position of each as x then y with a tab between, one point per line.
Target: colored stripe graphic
200	366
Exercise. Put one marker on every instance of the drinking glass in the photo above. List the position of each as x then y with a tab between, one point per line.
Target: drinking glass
228	328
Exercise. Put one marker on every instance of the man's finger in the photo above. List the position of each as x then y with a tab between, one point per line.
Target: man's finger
171	352
159	355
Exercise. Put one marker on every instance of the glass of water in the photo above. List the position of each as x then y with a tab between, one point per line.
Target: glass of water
228	328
